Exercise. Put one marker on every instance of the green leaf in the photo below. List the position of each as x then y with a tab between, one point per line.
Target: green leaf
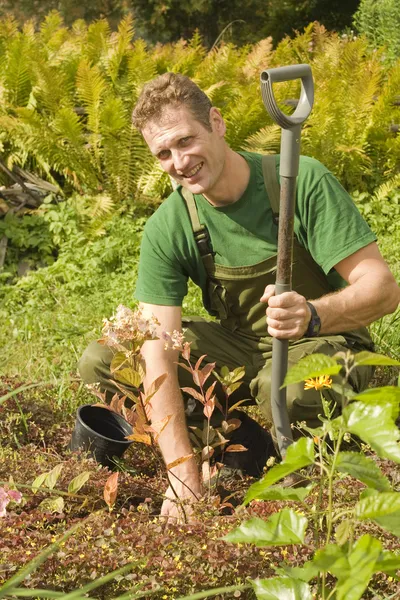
77	482
36	484
306	572
370	358
362	559
53	475
374	425
378	505
353	570
363	468
52	505
118	360
282	588
285	527
343	531
384	395
389	563
391	523
299	454
331	558
314	365
285	493
384	509
129	377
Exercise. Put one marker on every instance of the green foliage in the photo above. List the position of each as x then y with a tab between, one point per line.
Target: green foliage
69	93
379	20
352	562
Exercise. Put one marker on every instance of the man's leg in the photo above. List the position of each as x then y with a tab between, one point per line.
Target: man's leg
305	405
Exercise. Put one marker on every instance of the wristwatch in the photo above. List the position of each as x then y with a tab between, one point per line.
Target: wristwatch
314	325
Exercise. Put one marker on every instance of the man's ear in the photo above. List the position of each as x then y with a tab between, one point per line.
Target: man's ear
217	122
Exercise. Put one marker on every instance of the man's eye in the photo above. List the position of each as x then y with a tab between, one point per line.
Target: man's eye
163	154
185	141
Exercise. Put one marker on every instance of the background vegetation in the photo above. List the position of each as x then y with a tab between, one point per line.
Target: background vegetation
67	96
67	89
168	20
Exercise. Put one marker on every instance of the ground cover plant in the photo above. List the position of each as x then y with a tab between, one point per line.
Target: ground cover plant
352	526
67	94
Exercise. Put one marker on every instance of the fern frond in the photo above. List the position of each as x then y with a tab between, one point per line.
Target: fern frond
91	87
265	141
68	127
52	30
17	72
387	188
96	39
141	67
152	180
258	58
118	49
100	206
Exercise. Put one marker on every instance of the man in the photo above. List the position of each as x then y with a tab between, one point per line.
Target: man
218	228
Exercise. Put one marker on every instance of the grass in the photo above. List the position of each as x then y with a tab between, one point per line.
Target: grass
46	322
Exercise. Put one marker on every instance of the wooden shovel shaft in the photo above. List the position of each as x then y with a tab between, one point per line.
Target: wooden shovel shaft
280	348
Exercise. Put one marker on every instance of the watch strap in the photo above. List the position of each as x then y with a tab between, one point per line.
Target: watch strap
314	325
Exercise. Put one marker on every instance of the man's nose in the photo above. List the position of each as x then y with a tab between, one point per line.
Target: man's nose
180	159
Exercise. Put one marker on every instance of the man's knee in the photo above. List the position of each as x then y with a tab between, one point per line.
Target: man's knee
94	363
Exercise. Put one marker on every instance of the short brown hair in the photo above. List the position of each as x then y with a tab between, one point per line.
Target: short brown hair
171	89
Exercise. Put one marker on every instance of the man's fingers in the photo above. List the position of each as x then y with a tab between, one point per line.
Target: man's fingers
285	300
268	293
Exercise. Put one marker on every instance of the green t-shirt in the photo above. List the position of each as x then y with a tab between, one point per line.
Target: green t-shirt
327	224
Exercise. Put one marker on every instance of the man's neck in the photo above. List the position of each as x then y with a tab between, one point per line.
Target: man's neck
233	181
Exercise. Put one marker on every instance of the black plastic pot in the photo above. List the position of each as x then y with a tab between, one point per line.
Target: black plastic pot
102	433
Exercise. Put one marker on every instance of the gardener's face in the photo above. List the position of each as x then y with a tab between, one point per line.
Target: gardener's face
190	153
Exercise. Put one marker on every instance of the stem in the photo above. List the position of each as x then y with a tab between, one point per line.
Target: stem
330	484
208	457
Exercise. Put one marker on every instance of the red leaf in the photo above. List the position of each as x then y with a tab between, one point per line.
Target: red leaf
210	390
198	363
236	448
110	489
186	351
209	407
179	461
207	453
185	367
154	387
193	393
207	370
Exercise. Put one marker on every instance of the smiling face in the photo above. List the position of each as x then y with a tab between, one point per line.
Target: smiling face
188	152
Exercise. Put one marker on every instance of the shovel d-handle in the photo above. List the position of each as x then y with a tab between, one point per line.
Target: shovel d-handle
291	124
288	170
304	106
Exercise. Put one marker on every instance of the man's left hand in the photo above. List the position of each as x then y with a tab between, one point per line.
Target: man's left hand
288	315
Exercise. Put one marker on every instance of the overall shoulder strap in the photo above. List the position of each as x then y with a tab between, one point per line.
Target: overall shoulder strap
271	183
200	232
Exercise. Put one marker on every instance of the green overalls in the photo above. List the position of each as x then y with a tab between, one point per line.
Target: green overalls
241	337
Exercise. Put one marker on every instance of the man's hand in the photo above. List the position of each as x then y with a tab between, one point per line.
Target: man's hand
179	509
288	315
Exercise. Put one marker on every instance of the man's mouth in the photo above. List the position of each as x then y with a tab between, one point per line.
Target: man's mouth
194	171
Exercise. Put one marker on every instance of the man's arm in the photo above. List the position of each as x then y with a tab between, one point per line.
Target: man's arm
174	440
372	293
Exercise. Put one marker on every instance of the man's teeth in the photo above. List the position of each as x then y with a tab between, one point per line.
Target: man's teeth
194	171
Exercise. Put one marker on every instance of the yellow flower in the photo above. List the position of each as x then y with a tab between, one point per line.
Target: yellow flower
324	381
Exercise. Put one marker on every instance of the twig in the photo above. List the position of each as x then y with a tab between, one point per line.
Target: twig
3	250
18	180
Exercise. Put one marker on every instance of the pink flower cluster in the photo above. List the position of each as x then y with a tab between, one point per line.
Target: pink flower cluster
7	496
128	326
174	340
